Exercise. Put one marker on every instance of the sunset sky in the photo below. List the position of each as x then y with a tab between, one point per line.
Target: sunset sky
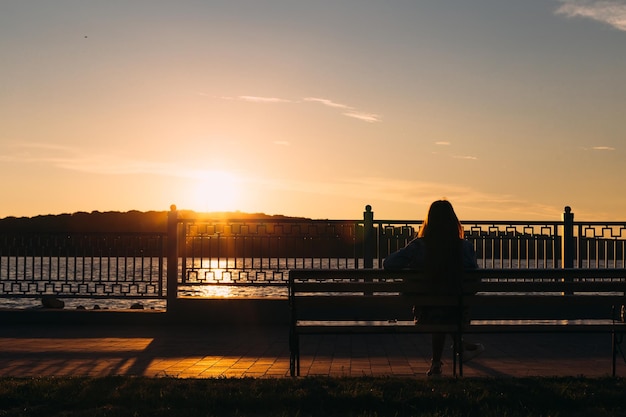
509	109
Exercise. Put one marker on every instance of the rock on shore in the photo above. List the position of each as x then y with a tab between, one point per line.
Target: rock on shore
52	302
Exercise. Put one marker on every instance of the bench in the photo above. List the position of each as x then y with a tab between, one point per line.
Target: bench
335	301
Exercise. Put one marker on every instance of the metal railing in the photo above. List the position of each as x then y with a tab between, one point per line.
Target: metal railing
97	265
506	244
258	252
237	251
600	244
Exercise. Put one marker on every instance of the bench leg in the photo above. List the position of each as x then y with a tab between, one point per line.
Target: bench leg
617	340
455	347
613	353
457	354
297	355
294	354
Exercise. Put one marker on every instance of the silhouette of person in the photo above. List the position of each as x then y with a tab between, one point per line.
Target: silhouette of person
441	251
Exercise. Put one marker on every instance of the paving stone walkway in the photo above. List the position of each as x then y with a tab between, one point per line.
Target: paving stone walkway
207	352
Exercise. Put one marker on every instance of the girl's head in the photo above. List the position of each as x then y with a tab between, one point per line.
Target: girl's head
443	236
441	221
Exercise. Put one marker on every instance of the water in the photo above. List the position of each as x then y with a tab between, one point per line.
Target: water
118	283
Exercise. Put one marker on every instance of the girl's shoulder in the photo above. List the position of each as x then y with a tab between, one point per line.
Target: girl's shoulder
467	244
417	242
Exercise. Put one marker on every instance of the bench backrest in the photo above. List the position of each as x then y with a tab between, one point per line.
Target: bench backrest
372	294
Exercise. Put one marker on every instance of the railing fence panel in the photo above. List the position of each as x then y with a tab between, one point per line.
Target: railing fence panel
258	252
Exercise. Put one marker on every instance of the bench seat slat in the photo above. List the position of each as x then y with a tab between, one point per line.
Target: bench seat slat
493	286
371	326
543	286
326	287
506	327
376	300
492	273
543	300
483	326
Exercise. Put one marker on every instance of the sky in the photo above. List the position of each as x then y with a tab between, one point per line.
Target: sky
511	110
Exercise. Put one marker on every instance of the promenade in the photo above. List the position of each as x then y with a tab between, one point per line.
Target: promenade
30	350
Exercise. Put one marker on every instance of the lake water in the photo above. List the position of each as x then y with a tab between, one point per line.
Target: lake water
78	278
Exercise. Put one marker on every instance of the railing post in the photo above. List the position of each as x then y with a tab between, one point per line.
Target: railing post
568	238
368	237
172	256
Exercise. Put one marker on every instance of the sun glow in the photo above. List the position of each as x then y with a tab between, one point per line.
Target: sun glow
215	191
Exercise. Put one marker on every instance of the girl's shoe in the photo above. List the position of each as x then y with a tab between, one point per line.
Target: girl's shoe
435	369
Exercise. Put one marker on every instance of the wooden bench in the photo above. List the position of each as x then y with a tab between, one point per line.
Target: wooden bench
500	301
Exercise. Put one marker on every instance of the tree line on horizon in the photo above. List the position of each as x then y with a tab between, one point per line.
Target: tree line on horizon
296	235
133	221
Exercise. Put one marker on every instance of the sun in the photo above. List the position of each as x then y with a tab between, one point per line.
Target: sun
215	191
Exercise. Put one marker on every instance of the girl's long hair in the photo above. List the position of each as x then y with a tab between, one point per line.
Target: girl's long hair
443	239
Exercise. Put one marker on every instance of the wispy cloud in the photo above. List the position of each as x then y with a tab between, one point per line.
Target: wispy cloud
104	164
327	102
447	154
350	111
392	192
256	99
32	152
366	117
603	148
611	12
74	159
598	148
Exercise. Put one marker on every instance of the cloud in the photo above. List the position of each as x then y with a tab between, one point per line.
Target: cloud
611	12
598	148
256	99
327	102
74	159
366	117
114	165
603	148
393	192
351	111
33	152
446	143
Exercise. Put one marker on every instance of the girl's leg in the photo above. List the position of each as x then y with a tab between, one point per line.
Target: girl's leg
438	341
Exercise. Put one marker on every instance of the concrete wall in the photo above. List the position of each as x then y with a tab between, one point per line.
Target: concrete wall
215	311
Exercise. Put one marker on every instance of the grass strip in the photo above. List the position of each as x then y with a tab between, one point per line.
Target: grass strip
311	396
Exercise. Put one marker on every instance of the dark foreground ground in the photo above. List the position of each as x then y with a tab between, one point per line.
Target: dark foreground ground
177	370
311	396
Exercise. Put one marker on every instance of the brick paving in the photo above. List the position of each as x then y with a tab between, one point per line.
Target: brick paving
263	352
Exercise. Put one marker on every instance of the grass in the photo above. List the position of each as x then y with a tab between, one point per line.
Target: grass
312	396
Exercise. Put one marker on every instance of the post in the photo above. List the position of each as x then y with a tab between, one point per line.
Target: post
568	238
172	256
368	237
